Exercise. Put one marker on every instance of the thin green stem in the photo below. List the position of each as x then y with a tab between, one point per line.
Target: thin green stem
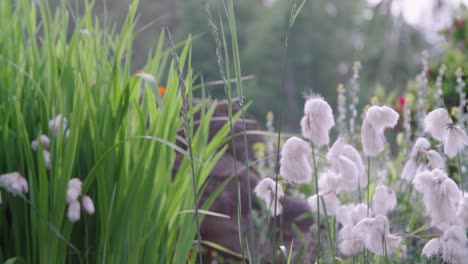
228	91
318	203
460	171
368	186
188	138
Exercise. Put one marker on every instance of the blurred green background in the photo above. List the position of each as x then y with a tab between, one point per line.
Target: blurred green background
327	37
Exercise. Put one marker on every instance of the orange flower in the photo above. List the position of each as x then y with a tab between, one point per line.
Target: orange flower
161	90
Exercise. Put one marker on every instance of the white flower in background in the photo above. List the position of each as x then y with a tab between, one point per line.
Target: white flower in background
74	190
329	181
440	196
88	204
294	161
317	121
454	245
73	212
45	141
441	127
14	183
146	76
265	190
384	200
329	199
375	232
376	120
54	124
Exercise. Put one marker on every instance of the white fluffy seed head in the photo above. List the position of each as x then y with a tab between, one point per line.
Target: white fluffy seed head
373	142
73	190
440	195
265	190
45	141
384	200
435	160
436	123
73	212
454	245
54	124
294	161
348	244
372	130
349	174
88	204
146	76
382	117
351	153
374	231
462	211
47	159
317	121
409	170
455	140
335	151
431	248
14	182
329	199
420	146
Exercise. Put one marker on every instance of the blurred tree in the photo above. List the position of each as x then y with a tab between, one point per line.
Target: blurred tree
327	37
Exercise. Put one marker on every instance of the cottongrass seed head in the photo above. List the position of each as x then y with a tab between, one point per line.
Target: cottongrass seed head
294	161
265	190
441	128
328	199
376	120
317	121
14	183
375	232
440	194
453	245
384	200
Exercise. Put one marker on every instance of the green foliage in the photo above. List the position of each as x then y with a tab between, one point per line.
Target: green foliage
121	142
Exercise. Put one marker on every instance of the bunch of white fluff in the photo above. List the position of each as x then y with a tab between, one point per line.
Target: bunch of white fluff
294	161
462	210
346	171
441	195
330	201
375	233
418	153
349	215
384	200
265	190
453	245
441	128
45	142
14	183
73	193
317	121
377	119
